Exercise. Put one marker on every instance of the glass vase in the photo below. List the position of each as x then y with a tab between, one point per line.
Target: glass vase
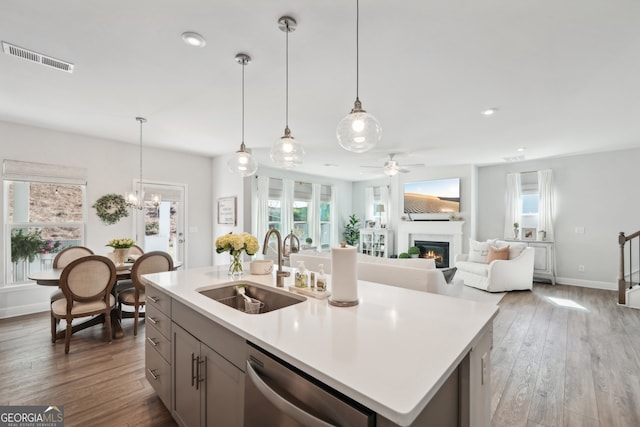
235	268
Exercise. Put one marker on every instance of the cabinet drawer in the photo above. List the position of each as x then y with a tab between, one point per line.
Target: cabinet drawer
226	343
160	321
158	342
158	299
158	373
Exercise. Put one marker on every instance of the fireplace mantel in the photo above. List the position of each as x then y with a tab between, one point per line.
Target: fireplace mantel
437	231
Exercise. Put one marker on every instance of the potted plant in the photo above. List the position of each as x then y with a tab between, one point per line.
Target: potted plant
516	230
414	251
308	240
404	255
351	231
24	248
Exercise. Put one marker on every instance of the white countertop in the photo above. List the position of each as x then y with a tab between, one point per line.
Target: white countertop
391	352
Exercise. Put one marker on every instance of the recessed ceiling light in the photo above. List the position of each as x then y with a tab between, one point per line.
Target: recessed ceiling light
193	39
490	111
521	149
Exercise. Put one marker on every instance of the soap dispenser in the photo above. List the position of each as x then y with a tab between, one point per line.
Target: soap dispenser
321	280
302	276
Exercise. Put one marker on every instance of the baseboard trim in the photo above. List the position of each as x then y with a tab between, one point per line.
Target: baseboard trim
608	286
23	310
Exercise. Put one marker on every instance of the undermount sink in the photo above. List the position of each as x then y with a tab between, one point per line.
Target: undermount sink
271	298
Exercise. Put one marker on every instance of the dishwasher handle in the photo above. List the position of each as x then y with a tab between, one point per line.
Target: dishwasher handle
281	403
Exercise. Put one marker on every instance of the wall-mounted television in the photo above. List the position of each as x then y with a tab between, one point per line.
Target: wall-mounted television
436	196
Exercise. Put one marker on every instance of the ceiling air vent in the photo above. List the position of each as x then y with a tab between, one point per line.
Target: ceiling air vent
39	58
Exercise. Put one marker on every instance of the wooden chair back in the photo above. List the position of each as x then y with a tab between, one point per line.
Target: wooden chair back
71	253
88	279
150	262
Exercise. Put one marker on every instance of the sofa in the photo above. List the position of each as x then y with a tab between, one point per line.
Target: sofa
411	273
497	266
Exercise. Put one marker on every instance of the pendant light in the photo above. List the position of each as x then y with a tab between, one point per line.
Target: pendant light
359	131
135	198
242	163
287	152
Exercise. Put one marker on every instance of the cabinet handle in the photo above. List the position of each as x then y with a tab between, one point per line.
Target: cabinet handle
200	378
281	403
193	369
153	299
152	320
153	373
152	342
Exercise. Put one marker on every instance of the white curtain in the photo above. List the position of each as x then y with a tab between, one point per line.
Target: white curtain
368	204
261	216
384	198
314	215
287	207
545	205
512	204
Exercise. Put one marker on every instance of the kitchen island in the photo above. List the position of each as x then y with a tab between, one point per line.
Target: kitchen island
393	353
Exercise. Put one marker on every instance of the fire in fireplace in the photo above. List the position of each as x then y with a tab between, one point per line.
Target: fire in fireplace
439	251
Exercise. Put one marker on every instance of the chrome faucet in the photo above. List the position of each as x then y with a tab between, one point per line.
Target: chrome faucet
280	275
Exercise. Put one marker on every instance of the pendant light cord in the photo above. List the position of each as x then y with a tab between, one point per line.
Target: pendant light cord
287	76
140	183
244	62
357	48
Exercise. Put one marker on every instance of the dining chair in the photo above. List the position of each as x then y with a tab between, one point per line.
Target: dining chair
134	252
150	262
62	259
86	284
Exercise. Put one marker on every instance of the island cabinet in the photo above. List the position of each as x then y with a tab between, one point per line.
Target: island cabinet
464	397
208	363
158	343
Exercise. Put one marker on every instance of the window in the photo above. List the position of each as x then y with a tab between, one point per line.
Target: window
275	204
302	207
42	219
45	211
529	200
325	216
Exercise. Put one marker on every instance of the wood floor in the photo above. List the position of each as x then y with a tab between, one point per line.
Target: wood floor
556	365
552	365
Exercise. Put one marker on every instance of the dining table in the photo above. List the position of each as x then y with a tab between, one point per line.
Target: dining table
51	277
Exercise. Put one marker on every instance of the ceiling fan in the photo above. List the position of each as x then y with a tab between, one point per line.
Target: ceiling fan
391	167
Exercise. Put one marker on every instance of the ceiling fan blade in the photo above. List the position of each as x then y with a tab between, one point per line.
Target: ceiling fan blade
403	170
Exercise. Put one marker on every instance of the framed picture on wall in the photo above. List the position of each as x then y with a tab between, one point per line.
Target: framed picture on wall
529	234
227	210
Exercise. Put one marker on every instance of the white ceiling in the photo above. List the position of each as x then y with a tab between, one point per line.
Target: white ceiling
565	76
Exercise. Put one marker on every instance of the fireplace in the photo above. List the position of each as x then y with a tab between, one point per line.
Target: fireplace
439	251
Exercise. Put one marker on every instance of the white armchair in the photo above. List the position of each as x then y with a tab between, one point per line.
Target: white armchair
498	275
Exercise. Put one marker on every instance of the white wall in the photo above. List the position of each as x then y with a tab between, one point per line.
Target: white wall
112	167
594	191
466	173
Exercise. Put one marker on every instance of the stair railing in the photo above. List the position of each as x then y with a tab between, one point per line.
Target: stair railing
623	285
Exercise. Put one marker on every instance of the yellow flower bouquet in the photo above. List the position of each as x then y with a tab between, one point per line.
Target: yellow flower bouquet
235	244
123	243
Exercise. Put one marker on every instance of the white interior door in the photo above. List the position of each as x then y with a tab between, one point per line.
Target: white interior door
161	226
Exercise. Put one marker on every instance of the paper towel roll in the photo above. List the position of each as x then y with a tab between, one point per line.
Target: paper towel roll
344	275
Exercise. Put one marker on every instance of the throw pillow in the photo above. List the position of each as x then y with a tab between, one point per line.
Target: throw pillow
448	273
494	254
478	251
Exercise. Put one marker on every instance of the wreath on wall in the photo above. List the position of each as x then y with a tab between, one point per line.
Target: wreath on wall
110	208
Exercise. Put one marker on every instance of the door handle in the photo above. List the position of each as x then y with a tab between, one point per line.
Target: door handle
281	403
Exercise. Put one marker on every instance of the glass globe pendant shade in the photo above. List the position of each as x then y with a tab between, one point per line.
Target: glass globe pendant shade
242	163
287	152
358	131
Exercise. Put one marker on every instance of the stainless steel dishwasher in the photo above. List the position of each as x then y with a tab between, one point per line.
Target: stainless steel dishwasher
280	395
